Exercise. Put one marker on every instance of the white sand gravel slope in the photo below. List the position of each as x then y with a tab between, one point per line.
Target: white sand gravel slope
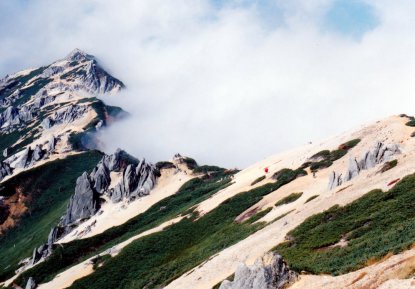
391	130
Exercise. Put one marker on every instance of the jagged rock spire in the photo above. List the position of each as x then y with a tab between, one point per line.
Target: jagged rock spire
78	55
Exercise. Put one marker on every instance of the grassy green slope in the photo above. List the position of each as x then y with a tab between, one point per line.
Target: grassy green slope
50	187
373	225
181	246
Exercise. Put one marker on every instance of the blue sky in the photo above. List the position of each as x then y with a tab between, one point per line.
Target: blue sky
350	18
270	11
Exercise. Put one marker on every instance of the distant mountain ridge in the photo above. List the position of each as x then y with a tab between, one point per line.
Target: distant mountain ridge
41	109
47	117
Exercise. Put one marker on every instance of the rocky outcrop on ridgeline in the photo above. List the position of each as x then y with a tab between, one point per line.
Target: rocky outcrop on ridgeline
83	204
137	181
16	117
380	153
138	178
27	157
269	272
92	76
65	115
25	94
101	177
13	116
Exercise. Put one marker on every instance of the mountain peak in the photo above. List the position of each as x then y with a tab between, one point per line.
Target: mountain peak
77	55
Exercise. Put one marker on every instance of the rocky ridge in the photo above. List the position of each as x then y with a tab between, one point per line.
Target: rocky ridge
23	94
33	102
138	178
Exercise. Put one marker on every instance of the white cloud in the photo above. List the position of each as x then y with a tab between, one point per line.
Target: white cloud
218	84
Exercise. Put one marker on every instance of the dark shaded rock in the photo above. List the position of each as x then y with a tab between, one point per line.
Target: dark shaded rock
37	153
53	236
83	204
101	177
5	170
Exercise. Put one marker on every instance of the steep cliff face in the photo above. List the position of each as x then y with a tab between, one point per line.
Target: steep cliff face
83	204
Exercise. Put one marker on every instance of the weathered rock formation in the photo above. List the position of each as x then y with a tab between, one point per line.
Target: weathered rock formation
26	158
66	115
269	272
101	177
138	178
83	204
13	116
91	75
378	154
137	181
335	180
5	170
